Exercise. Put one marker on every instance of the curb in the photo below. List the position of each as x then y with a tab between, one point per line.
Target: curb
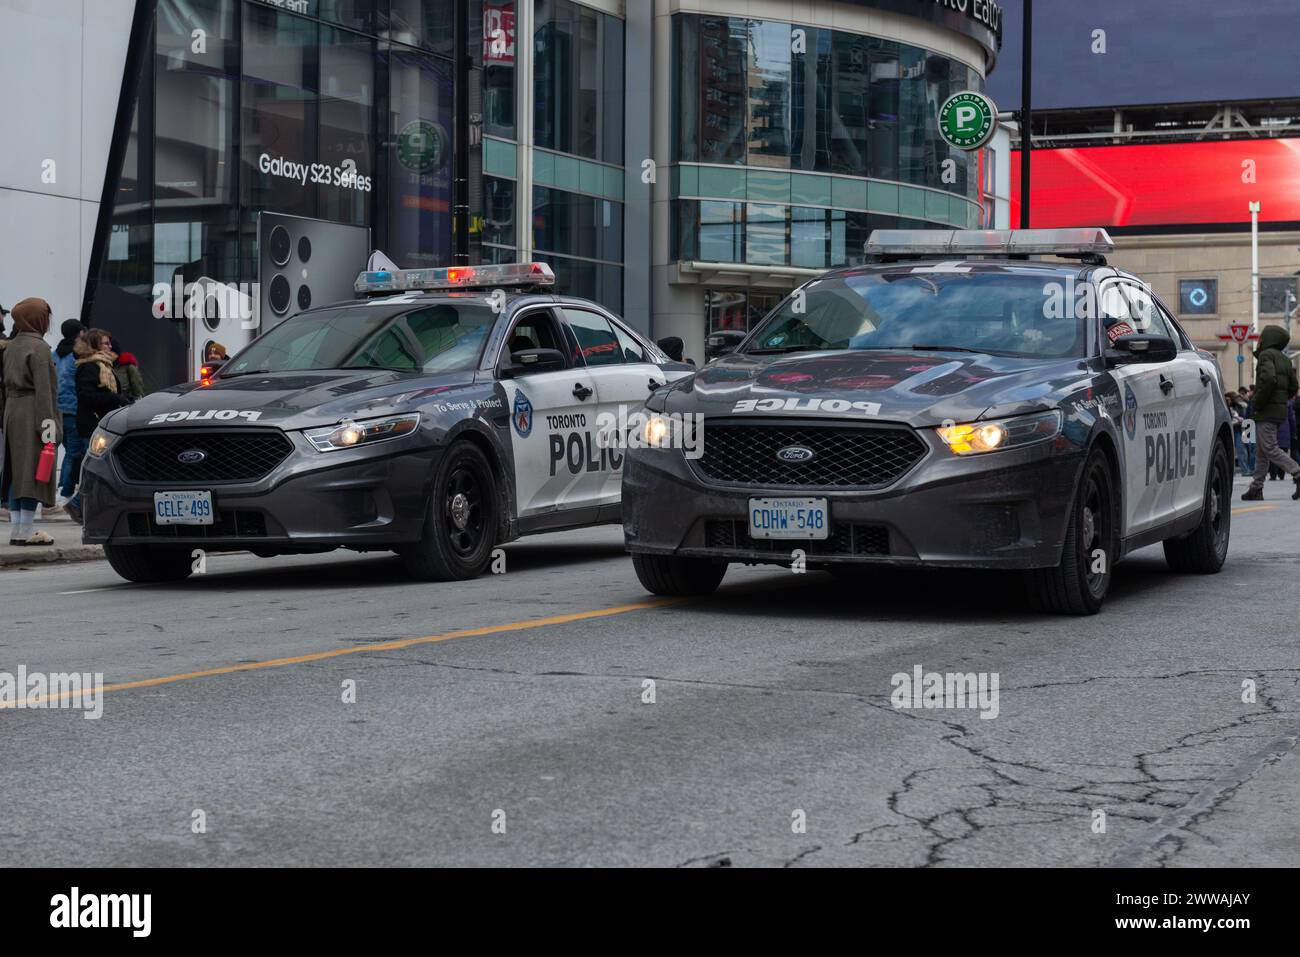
56	553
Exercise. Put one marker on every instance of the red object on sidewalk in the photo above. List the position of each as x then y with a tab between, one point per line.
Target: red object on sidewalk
45	464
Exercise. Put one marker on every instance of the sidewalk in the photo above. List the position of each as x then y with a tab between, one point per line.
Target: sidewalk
67	545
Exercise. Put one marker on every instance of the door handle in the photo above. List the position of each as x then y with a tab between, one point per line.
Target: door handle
580	391
654	385
1166	386
1206	378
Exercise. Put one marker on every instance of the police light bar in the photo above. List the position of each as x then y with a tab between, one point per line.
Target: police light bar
455	277
989	242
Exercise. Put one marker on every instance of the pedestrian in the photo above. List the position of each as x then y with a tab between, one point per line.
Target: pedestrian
97	390
31	420
74	447
1275	385
126	368
215	352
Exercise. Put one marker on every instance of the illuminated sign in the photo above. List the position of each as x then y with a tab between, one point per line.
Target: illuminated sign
1163	184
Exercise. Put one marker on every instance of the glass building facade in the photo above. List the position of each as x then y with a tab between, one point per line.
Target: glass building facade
787	144
577	93
354	95
792	143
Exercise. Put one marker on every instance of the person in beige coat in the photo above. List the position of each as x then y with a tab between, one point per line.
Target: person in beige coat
31	419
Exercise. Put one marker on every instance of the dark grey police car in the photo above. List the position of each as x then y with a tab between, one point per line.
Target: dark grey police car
952	402
446	412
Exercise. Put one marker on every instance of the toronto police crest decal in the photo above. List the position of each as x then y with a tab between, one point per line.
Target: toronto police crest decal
1130	411
522	417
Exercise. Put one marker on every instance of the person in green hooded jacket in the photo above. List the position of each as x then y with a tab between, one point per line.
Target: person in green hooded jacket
1275	384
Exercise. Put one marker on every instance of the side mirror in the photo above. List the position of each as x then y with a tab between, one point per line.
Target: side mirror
529	361
722	342
1141	347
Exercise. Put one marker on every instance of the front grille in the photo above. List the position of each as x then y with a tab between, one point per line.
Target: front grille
229	456
845	539
844	456
229	523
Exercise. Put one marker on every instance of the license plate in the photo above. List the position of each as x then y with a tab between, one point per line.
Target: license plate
182	508
795	518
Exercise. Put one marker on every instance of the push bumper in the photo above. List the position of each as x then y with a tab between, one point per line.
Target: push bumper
362	498
1003	510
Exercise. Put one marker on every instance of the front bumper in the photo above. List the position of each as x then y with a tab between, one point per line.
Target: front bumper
998	510
358	498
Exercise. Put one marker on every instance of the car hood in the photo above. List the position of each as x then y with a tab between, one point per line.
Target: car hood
287	400
918	388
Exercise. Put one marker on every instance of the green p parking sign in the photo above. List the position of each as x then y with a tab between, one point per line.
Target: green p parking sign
967	120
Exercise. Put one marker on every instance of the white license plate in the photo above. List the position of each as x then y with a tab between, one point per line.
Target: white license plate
182	508
795	518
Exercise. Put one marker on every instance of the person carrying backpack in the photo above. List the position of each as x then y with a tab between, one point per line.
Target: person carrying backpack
1275	385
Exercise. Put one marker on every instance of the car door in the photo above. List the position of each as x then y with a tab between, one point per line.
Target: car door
1146	391
1191	438
624	376
551	417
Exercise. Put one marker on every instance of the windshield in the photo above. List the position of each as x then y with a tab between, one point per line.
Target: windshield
441	338
990	312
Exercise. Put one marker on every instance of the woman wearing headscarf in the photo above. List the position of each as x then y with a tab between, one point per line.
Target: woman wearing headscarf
31	419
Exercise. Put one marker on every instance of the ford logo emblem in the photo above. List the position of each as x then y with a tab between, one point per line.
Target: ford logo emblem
191	456
795	453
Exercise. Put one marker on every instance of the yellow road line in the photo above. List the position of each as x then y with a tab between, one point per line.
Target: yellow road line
395	645
1253	508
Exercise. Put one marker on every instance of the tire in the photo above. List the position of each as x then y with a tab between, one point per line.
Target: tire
671	575
460	526
149	563
1078	585
1204	550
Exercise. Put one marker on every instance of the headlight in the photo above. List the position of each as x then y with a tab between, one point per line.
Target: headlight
100	441
349	434
658	431
976	437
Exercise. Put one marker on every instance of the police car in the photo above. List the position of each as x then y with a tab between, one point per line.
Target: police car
952	402
447	411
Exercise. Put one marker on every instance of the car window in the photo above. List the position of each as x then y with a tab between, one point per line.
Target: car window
1175	330
1116	316
596	340
1000	313
633	351
394	348
536	330
1147	316
438	338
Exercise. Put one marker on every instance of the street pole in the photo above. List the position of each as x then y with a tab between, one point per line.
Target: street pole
460	139
1254	267
1026	110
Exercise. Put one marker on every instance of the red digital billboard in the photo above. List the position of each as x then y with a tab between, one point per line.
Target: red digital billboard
1162	184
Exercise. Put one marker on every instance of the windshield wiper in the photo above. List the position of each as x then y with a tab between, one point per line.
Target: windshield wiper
236	375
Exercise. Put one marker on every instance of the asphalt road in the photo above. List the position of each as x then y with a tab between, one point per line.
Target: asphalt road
518	699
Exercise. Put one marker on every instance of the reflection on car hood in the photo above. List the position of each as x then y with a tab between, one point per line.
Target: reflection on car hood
919	388
288	400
